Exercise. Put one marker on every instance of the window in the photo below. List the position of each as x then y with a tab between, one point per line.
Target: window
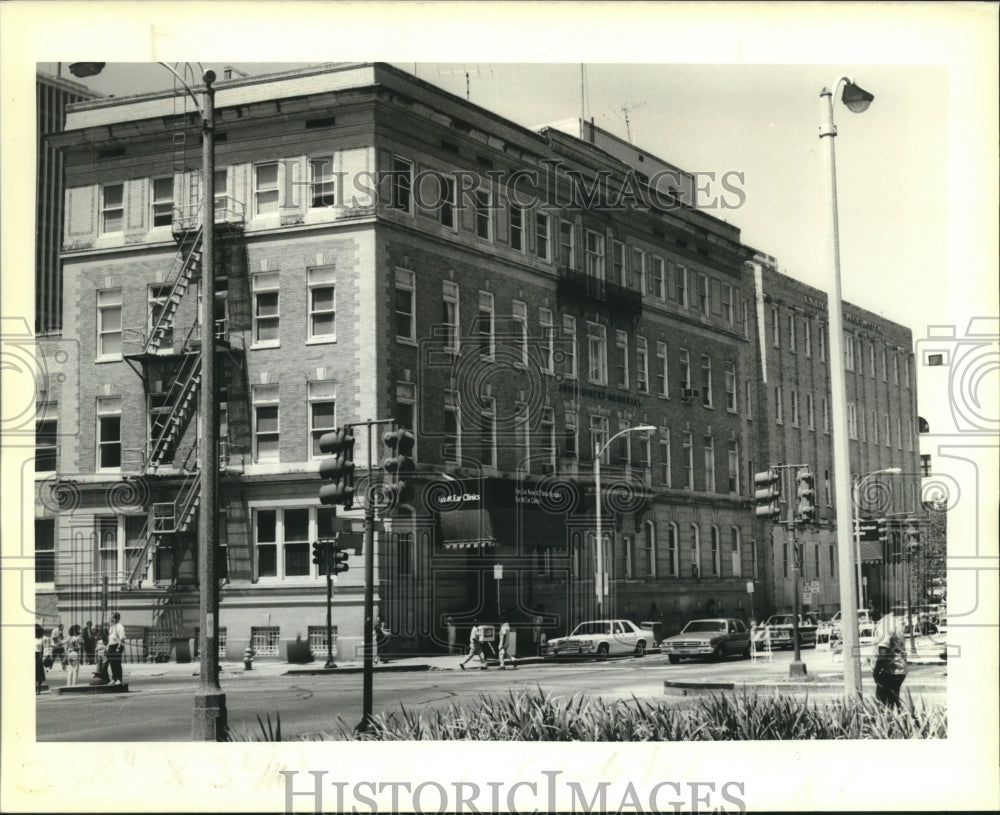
548	340
650	531
567	252
906	371
672	550
450	315
821	339
807	346
595	255
569	332
833	562
746	319
547	433
641	365
662	382
322	305
899	434
874	427
709	463
794	404
45	550
655	283
748	399
682	286
516	227
487	342
816	558
925	465
784	560
778	419
406	402
265	188
109	433
296	542
810	417
687	453
109	324
826	415
488	432
451	450
775	335
402	184
264	640
542	235
871	360
731	403
112	208
727	302
852	420
645	453
637	269
597	354
888	438
734	466
322	187
599	436
483	214
46	432
265	421
791	332
685	364
282	539
895	368
716	553
621	345
703	300
695	551
162	199
406	328
753	558
848	351
522	437
106	535
909	435
618	274
665	479
159	298
736	555
322	413
571	435
706	380
628	544
317	640
520	317
447	202
266	314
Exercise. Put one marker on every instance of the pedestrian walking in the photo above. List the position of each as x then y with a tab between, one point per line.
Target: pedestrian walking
116	648
74	645
381	639
536	633
889	669
452	634
89	638
503	645
475	647
39	649
58	644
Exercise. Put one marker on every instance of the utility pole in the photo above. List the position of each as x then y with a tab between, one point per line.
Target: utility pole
328	559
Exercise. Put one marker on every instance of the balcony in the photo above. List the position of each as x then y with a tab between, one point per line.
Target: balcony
577	284
228	211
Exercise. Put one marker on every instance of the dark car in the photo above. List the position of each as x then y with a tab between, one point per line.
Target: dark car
710	639
779	628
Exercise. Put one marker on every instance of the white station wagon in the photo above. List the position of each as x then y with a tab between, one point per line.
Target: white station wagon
601	638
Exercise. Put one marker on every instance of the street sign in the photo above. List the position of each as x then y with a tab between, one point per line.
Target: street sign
497	571
749	587
869	530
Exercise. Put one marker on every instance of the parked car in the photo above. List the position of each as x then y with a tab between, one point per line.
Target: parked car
601	638
925	621
709	639
831	628
780	626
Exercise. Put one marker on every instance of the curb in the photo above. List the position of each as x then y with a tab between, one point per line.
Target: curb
92	689
354	669
671	688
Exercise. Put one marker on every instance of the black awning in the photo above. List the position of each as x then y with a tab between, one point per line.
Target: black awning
871	552
466	529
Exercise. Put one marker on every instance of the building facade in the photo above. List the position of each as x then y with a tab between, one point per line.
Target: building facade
794	383
386	250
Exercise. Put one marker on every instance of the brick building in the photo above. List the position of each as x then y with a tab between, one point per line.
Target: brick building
794	383
388	250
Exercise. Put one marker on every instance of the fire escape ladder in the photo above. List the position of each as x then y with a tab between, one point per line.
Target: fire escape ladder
182	397
188	264
145	559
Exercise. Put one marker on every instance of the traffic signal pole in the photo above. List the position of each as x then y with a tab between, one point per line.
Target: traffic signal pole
329	607
797	666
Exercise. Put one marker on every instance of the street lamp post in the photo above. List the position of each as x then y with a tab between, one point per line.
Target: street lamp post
859	483
598	452
856	100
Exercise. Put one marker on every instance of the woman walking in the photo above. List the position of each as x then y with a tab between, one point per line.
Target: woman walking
39	667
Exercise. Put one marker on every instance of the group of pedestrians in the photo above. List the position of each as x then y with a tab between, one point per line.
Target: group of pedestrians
478	645
101	646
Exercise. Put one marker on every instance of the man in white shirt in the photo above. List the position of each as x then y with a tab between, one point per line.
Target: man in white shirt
475	647
503	645
116	647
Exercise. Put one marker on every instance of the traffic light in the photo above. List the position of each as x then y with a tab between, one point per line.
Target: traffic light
339	469
319	555
339	563
805	481
767	492
883	531
400	465
912	533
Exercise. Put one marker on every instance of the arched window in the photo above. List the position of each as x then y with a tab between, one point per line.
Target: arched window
716	555
922	425
651	546
695	551
672	550
736	553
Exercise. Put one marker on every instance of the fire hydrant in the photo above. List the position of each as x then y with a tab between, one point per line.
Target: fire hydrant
248	658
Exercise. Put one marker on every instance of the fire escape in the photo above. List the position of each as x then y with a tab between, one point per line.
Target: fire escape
168	358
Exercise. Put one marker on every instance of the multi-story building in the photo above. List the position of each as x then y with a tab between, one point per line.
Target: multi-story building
53	94
385	250
882	423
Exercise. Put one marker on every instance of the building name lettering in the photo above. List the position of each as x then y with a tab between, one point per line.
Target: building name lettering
593	393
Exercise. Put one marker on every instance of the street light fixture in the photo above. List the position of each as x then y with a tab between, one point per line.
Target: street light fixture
598	452
859	483
856	100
